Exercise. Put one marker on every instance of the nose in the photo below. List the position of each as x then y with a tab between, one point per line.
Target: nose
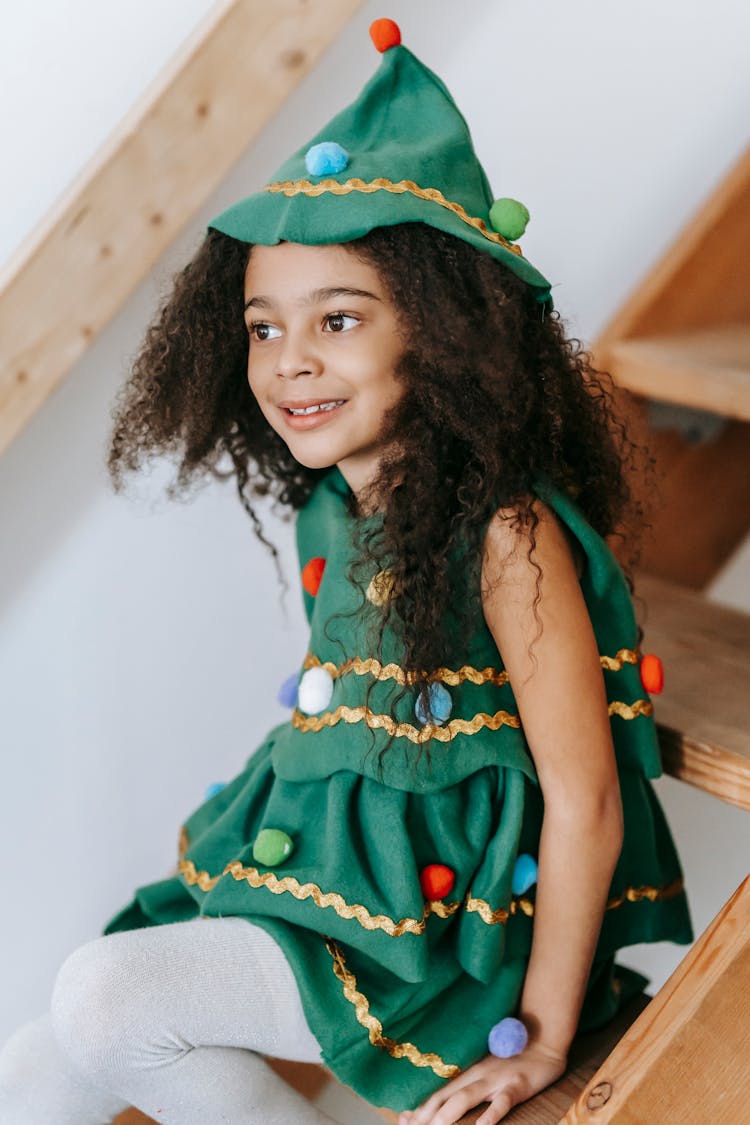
298	355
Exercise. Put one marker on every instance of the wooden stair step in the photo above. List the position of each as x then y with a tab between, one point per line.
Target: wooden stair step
707	368
703	714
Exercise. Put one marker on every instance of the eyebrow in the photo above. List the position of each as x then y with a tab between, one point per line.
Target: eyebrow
315	297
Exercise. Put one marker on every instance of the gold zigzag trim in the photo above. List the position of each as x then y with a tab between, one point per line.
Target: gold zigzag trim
631	710
301	891
344	909
631	894
429	731
368	921
368	187
394	672
495	676
375	1028
636	894
622	656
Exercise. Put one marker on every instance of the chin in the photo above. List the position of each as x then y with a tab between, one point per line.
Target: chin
312	460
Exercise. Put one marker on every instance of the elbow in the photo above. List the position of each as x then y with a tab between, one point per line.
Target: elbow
599	816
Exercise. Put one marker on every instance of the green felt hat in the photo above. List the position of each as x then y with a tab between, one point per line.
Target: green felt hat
401	153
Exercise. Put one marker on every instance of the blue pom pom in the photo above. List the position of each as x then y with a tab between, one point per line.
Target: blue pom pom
214	789
525	874
440	703
507	1038
287	693
326	159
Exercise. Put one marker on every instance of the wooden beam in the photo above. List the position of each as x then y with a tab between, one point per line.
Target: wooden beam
685	1058
703	280
708	369
148	181
703	714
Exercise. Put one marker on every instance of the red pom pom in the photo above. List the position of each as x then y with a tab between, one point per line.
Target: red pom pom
652	673
312	572
385	34
436	881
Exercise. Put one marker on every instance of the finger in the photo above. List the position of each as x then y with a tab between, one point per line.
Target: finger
422	1115
454	1108
500	1105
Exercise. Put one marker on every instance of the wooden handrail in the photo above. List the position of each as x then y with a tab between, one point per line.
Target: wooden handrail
157	169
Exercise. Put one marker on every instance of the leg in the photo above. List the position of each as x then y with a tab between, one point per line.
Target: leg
173	1018
40	1086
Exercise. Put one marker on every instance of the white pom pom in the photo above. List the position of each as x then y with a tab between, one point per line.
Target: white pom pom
315	690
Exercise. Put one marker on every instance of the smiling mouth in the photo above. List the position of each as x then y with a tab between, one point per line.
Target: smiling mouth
321	408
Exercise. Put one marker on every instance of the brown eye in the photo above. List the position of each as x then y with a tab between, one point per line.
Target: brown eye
336	322
262	331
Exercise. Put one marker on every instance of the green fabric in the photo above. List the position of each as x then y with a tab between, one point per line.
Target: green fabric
403	126
476	810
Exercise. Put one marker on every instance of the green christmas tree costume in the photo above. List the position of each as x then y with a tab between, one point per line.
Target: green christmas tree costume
401	987
400	991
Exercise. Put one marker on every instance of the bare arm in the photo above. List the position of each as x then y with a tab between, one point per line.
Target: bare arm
563	708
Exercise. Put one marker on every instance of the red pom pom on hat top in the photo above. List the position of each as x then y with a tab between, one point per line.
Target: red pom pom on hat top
385	34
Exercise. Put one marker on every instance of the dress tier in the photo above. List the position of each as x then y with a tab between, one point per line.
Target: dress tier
399	987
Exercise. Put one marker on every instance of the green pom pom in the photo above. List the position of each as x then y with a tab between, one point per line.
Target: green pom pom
509	218
272	846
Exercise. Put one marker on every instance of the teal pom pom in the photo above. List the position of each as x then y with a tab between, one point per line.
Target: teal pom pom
525	874
509	218
326	159
441	705
214	789
507	1038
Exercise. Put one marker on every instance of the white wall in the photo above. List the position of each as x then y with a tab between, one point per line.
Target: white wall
135	663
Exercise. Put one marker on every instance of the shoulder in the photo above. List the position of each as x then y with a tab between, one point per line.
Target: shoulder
531	595
507	549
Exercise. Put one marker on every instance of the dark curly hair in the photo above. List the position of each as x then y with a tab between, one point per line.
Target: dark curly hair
495	397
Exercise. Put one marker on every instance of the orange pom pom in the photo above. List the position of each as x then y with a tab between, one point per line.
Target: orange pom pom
652	673
436	881
312	573
385	34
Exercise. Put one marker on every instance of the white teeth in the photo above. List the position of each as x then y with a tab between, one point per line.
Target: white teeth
316	409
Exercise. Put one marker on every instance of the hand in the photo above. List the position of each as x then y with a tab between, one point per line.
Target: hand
501	1082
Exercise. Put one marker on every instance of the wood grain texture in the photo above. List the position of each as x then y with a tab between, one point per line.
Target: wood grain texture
700	509
703	280
707	369
685	1058
704	732
157	169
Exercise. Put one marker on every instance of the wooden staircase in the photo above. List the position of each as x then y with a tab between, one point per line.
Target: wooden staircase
683	338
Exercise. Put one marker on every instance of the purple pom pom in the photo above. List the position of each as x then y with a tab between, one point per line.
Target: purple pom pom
508	1038
287	693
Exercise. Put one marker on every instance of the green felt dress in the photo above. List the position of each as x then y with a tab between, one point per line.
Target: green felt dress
401	991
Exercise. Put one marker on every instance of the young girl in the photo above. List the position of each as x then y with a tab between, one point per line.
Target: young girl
455	827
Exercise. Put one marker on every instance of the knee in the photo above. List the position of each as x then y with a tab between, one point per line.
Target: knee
21	1054
89	1007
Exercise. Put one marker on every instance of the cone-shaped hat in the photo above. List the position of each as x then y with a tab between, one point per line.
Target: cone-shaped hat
401	153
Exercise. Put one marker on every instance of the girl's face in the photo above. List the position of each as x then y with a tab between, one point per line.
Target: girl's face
322	330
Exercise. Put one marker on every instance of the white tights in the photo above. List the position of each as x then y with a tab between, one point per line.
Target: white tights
171	1019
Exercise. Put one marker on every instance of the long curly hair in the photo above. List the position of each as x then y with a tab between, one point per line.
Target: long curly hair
495	397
